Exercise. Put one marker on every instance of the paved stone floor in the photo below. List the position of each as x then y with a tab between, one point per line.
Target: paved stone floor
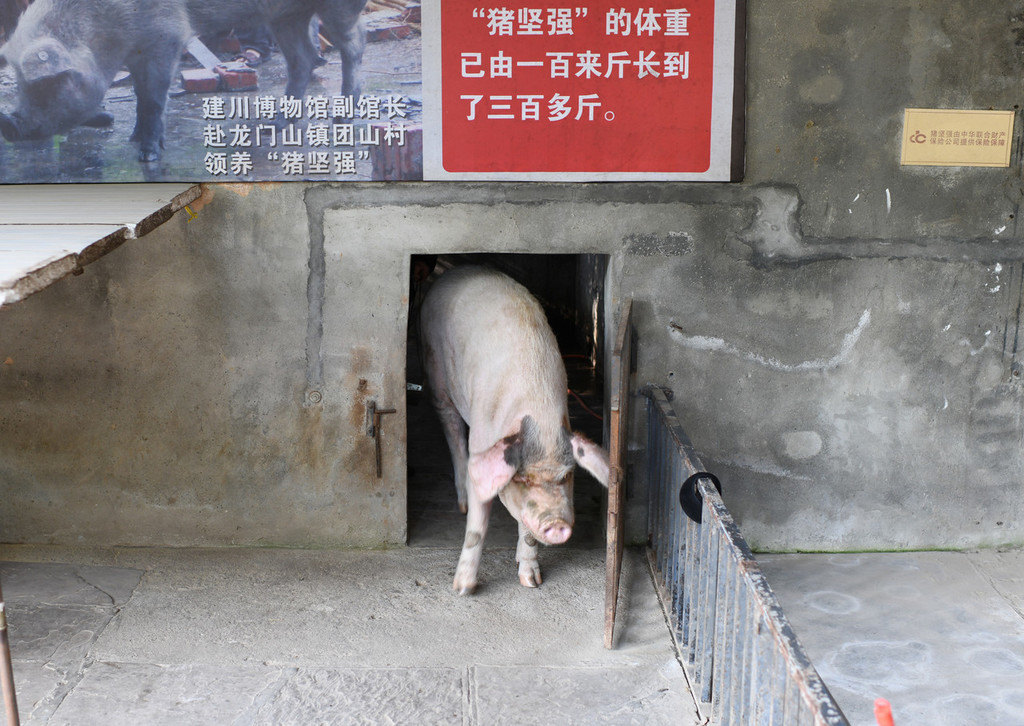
160	636
938	634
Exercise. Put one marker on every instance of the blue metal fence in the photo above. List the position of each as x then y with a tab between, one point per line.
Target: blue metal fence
739	652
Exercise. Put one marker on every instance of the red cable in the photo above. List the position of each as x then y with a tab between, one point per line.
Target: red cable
585	406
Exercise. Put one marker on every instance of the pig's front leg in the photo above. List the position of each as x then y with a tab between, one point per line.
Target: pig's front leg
473	545
526	556
526	547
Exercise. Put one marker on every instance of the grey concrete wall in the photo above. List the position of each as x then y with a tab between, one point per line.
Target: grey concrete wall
878	309
841	334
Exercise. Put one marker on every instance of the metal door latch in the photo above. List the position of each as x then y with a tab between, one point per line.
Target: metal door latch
373	415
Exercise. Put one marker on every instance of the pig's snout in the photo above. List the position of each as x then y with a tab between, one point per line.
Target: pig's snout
555	531
9	128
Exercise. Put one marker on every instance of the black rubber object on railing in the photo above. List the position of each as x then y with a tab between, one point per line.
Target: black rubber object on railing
690	499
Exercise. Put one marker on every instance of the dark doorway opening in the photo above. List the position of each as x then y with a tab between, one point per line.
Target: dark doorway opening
570	288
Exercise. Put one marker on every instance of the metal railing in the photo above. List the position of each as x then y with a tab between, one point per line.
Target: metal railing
739	652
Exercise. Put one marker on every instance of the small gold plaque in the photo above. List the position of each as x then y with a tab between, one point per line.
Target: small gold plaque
943	137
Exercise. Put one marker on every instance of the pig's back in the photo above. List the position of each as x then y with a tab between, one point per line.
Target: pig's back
492	341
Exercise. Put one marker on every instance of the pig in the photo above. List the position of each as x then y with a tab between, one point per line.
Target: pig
65	54
492	364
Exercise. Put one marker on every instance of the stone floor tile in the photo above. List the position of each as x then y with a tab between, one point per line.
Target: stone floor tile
131	694
581	695
369	696
60	584
54	632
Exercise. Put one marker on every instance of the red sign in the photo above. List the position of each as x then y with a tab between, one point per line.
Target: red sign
594	87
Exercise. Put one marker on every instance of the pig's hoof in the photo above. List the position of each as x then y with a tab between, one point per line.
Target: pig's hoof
9	128
529	573
102	120
462	507
530	579
149	156
465	579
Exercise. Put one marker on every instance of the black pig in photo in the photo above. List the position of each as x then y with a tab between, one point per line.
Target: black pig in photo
65	54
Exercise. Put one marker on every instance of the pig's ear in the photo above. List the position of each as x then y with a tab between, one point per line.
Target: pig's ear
591	457
489	472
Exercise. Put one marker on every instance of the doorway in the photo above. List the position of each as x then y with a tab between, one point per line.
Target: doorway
570	288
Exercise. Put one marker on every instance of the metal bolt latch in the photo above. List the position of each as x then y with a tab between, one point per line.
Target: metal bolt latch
373	415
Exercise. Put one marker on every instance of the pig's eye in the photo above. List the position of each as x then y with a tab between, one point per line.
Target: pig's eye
528	481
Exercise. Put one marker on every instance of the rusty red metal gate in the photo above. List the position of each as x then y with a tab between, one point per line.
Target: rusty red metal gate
622	357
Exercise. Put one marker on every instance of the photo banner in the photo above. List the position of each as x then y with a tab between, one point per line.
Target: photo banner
450	90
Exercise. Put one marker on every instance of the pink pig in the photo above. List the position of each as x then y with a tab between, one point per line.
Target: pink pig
493	364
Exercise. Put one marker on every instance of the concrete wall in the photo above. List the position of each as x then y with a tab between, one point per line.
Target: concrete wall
841	334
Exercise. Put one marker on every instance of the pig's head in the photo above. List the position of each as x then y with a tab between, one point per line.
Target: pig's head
58	87
542	497
534	484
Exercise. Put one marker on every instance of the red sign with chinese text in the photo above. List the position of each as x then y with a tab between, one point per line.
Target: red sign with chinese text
591	86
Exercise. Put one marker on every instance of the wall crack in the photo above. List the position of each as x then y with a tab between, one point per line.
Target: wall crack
718	345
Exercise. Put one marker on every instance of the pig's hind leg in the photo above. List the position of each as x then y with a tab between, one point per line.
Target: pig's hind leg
455	429
455	432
